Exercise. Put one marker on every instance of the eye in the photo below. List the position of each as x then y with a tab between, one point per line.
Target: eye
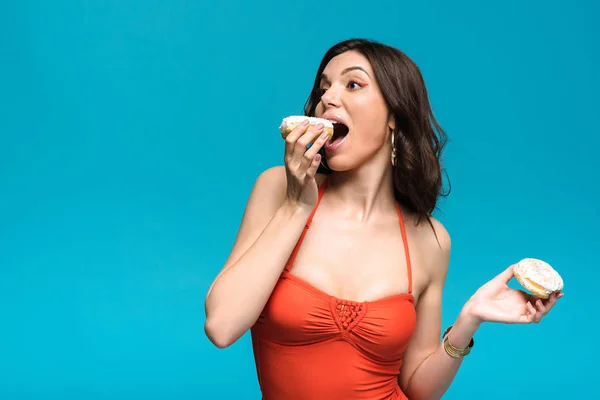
321	91
353	85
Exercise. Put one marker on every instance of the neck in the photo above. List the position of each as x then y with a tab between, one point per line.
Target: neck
364	193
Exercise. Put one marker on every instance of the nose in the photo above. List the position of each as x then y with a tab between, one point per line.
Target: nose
331	97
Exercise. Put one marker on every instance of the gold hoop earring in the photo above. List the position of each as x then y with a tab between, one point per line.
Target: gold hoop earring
394	157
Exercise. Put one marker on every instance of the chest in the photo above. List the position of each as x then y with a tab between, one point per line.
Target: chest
298	314
353	260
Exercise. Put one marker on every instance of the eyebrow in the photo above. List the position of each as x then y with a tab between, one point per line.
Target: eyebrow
345	71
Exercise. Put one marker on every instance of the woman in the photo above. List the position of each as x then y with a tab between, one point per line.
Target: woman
338	267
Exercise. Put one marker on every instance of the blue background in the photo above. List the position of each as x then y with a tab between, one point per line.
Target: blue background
131	133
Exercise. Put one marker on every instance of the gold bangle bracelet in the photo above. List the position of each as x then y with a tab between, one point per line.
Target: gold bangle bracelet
452	351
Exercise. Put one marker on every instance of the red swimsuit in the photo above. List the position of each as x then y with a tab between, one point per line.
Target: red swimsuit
311	345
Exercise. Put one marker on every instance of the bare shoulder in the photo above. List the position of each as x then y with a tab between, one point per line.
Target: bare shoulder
434	244
268	192
271	186
275	178
277	173
272	178
441	239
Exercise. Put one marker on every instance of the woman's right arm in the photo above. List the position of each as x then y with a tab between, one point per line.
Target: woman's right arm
271	226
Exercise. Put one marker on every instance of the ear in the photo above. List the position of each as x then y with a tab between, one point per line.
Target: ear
392	122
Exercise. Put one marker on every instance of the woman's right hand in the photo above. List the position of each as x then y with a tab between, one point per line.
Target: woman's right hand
301	164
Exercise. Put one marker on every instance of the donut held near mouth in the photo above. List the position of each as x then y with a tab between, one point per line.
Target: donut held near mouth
288	124
538	277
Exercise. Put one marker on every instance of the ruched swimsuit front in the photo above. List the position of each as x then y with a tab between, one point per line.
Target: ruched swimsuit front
309	345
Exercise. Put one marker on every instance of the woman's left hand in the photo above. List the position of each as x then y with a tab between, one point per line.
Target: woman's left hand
496	302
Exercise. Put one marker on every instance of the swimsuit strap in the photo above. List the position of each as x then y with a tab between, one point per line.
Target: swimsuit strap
406	251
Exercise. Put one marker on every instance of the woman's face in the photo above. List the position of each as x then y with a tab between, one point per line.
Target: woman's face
351	96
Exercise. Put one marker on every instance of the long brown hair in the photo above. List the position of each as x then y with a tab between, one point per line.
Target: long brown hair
418	137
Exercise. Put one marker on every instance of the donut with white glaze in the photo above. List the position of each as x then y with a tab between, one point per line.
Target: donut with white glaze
289	123
538	277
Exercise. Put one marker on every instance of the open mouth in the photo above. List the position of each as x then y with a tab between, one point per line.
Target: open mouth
340	131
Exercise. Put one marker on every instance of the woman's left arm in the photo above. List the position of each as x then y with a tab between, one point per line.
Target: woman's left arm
428	370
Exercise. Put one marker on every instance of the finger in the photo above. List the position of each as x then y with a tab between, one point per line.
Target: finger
308	137
526	316
300	160
551	300
530	308
292	141
507	274
541	308
292	137
314	166
297	131
309	155
535	317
